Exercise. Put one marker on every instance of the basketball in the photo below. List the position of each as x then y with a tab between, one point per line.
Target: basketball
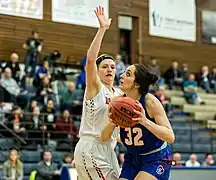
122	109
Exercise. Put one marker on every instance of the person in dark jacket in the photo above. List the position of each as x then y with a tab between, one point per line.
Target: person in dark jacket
46	169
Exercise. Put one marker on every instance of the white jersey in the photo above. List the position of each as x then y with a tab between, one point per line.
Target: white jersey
95	113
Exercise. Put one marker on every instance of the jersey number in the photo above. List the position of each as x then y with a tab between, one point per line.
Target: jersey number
137	139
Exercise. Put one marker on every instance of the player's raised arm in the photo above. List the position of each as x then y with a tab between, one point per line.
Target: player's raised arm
93	83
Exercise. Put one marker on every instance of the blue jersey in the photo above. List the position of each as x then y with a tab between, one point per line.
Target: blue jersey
138	139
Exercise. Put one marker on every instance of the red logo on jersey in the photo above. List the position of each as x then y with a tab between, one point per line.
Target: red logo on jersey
108	100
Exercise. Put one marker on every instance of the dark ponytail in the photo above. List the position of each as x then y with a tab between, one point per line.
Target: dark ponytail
144	78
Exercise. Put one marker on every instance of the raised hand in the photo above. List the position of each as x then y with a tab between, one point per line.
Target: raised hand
103	21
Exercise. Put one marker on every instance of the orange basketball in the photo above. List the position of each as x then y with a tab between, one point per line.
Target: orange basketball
122	109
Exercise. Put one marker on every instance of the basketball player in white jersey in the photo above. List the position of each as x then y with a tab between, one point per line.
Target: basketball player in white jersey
95	159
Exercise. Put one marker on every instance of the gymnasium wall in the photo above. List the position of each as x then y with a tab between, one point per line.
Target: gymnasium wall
73	41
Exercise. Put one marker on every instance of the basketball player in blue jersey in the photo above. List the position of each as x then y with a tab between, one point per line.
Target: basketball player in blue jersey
148	154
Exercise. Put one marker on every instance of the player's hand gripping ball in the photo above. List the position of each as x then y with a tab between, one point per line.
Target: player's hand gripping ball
122	111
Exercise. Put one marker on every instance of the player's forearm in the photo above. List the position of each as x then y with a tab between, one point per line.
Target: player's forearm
94	49
161	132
107	132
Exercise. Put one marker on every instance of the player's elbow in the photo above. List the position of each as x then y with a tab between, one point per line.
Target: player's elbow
171	138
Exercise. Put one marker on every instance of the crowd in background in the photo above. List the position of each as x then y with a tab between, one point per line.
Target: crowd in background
40	106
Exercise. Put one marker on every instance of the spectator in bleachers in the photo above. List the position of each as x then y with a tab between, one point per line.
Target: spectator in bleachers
41	73
81	79
16	123
32	105
44	91
184	71
67	127
177	160
155	69
68	160
10	87
209	160
35	127
173	75
13	64
13	167
192	162
213	79
204	78
71	97
190	89
16	120
46	169
120	67
33	47
163	98
49	116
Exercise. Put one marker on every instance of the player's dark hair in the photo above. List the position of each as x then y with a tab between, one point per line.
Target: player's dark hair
144	78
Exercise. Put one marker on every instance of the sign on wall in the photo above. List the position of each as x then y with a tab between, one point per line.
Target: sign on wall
78	12
174	19
24	8
208	27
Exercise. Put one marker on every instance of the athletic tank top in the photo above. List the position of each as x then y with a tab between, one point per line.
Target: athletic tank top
95	113
138	139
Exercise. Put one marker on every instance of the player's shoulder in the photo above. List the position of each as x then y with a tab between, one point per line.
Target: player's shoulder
151	101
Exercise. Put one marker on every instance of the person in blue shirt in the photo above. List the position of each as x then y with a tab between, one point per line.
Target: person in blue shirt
190	89
81	79
148	153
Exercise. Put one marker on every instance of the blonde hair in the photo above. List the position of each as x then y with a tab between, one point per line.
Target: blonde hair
18	164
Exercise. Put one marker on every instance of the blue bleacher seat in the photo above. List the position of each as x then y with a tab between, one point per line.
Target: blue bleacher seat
30	156
181	147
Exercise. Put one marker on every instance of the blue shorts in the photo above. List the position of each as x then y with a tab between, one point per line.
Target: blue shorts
157	164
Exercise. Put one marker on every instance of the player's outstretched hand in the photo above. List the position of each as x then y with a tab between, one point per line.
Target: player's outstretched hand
103	21
141	114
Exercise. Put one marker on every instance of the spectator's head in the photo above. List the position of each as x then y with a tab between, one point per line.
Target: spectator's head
191	77
50	104
185	67
193	158
118	58
214	70
66	114
35	34
36	111
177	157
47	156
209	159
161	90
106	69
33	104
46	80
16	110
13	155
7	73
205	69
46	64
68	159
175	65
154	62
14	57
71	86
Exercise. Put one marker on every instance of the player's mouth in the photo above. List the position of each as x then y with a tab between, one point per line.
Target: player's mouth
109	75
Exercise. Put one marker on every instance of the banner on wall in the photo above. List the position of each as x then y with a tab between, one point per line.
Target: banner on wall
78	12
174	19
208	27
24	8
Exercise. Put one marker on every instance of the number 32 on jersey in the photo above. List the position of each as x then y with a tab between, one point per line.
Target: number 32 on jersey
134	136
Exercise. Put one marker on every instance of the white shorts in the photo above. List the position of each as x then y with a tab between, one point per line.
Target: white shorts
95	160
